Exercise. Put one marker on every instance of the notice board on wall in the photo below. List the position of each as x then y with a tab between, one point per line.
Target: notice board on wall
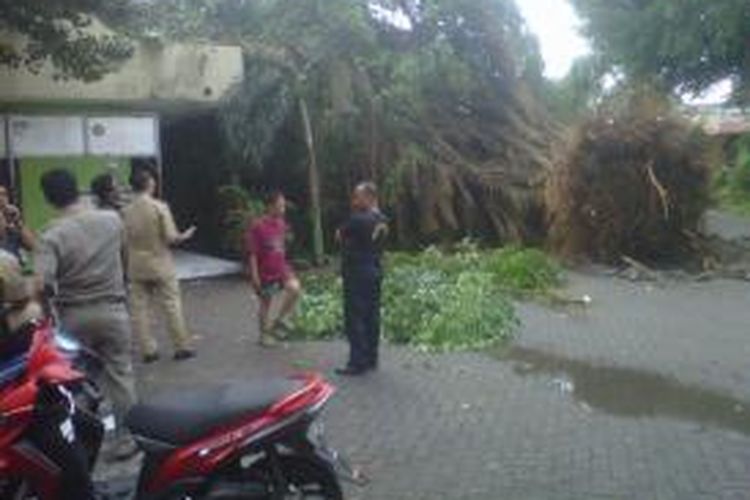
122	136
61	136
42	136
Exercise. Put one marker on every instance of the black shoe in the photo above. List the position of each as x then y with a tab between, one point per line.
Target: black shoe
351	371
184	354
151	358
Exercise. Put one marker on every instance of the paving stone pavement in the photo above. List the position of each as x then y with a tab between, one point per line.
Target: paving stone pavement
696	332
640	396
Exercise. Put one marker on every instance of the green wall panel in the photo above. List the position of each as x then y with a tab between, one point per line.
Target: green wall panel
36	210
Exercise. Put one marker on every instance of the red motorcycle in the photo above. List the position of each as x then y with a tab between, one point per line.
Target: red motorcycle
236	440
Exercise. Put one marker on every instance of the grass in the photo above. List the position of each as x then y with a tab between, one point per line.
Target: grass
439	301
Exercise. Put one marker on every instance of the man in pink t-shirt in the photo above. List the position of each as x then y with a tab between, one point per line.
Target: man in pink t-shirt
270	272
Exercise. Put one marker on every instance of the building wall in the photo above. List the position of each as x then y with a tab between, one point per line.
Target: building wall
156	72
178	81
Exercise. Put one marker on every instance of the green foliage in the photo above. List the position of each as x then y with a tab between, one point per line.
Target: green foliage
255	112
412	296
435	310
290	48
434	259
523	270
320	312
686	45
732	186
474	314
439	300
573	96
237	209
60	33
513	269
206	20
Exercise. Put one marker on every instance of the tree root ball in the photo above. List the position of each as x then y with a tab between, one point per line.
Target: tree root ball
632	186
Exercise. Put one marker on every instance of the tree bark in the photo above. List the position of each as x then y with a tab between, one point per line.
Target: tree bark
313	177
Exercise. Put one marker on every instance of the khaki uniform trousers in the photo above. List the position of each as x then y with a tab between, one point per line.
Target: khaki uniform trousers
166	293
105	329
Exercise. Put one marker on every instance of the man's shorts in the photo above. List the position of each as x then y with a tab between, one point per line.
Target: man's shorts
268	290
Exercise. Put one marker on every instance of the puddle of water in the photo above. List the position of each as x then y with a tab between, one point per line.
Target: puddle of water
631	393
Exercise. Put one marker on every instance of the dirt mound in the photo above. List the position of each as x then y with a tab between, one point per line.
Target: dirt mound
629	185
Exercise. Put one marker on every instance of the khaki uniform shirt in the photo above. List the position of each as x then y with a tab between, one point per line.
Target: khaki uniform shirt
150	230
80	255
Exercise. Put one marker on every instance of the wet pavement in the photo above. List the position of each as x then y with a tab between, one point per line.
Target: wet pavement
641	395
694	332
624	392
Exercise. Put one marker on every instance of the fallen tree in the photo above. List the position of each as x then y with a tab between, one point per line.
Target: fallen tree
630	185
440	109
463	141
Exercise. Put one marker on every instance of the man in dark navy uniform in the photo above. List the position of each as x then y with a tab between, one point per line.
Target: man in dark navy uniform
362	240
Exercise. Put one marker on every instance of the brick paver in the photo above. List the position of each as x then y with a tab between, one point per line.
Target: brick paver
554	421
696	332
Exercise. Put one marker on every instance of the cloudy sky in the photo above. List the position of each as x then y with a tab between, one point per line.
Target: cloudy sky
556	25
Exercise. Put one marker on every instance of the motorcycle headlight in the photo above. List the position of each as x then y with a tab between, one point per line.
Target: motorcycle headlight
66	342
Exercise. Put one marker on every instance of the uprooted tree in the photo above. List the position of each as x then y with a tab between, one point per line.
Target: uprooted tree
632	184
434	100
462	143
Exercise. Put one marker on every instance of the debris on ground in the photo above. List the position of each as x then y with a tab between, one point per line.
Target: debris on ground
558	298
717	258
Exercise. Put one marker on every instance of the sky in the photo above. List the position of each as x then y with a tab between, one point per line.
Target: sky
556	25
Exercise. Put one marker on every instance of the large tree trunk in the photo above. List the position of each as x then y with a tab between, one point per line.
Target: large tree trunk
313	184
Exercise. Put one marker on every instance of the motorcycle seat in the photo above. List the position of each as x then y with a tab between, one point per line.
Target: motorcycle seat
182	417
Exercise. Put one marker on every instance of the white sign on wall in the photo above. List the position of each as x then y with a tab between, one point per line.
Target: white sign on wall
47	135
122	136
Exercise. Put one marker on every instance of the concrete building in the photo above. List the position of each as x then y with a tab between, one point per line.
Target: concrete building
100	127
158	76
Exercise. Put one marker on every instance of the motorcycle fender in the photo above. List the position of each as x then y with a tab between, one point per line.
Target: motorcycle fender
59	373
